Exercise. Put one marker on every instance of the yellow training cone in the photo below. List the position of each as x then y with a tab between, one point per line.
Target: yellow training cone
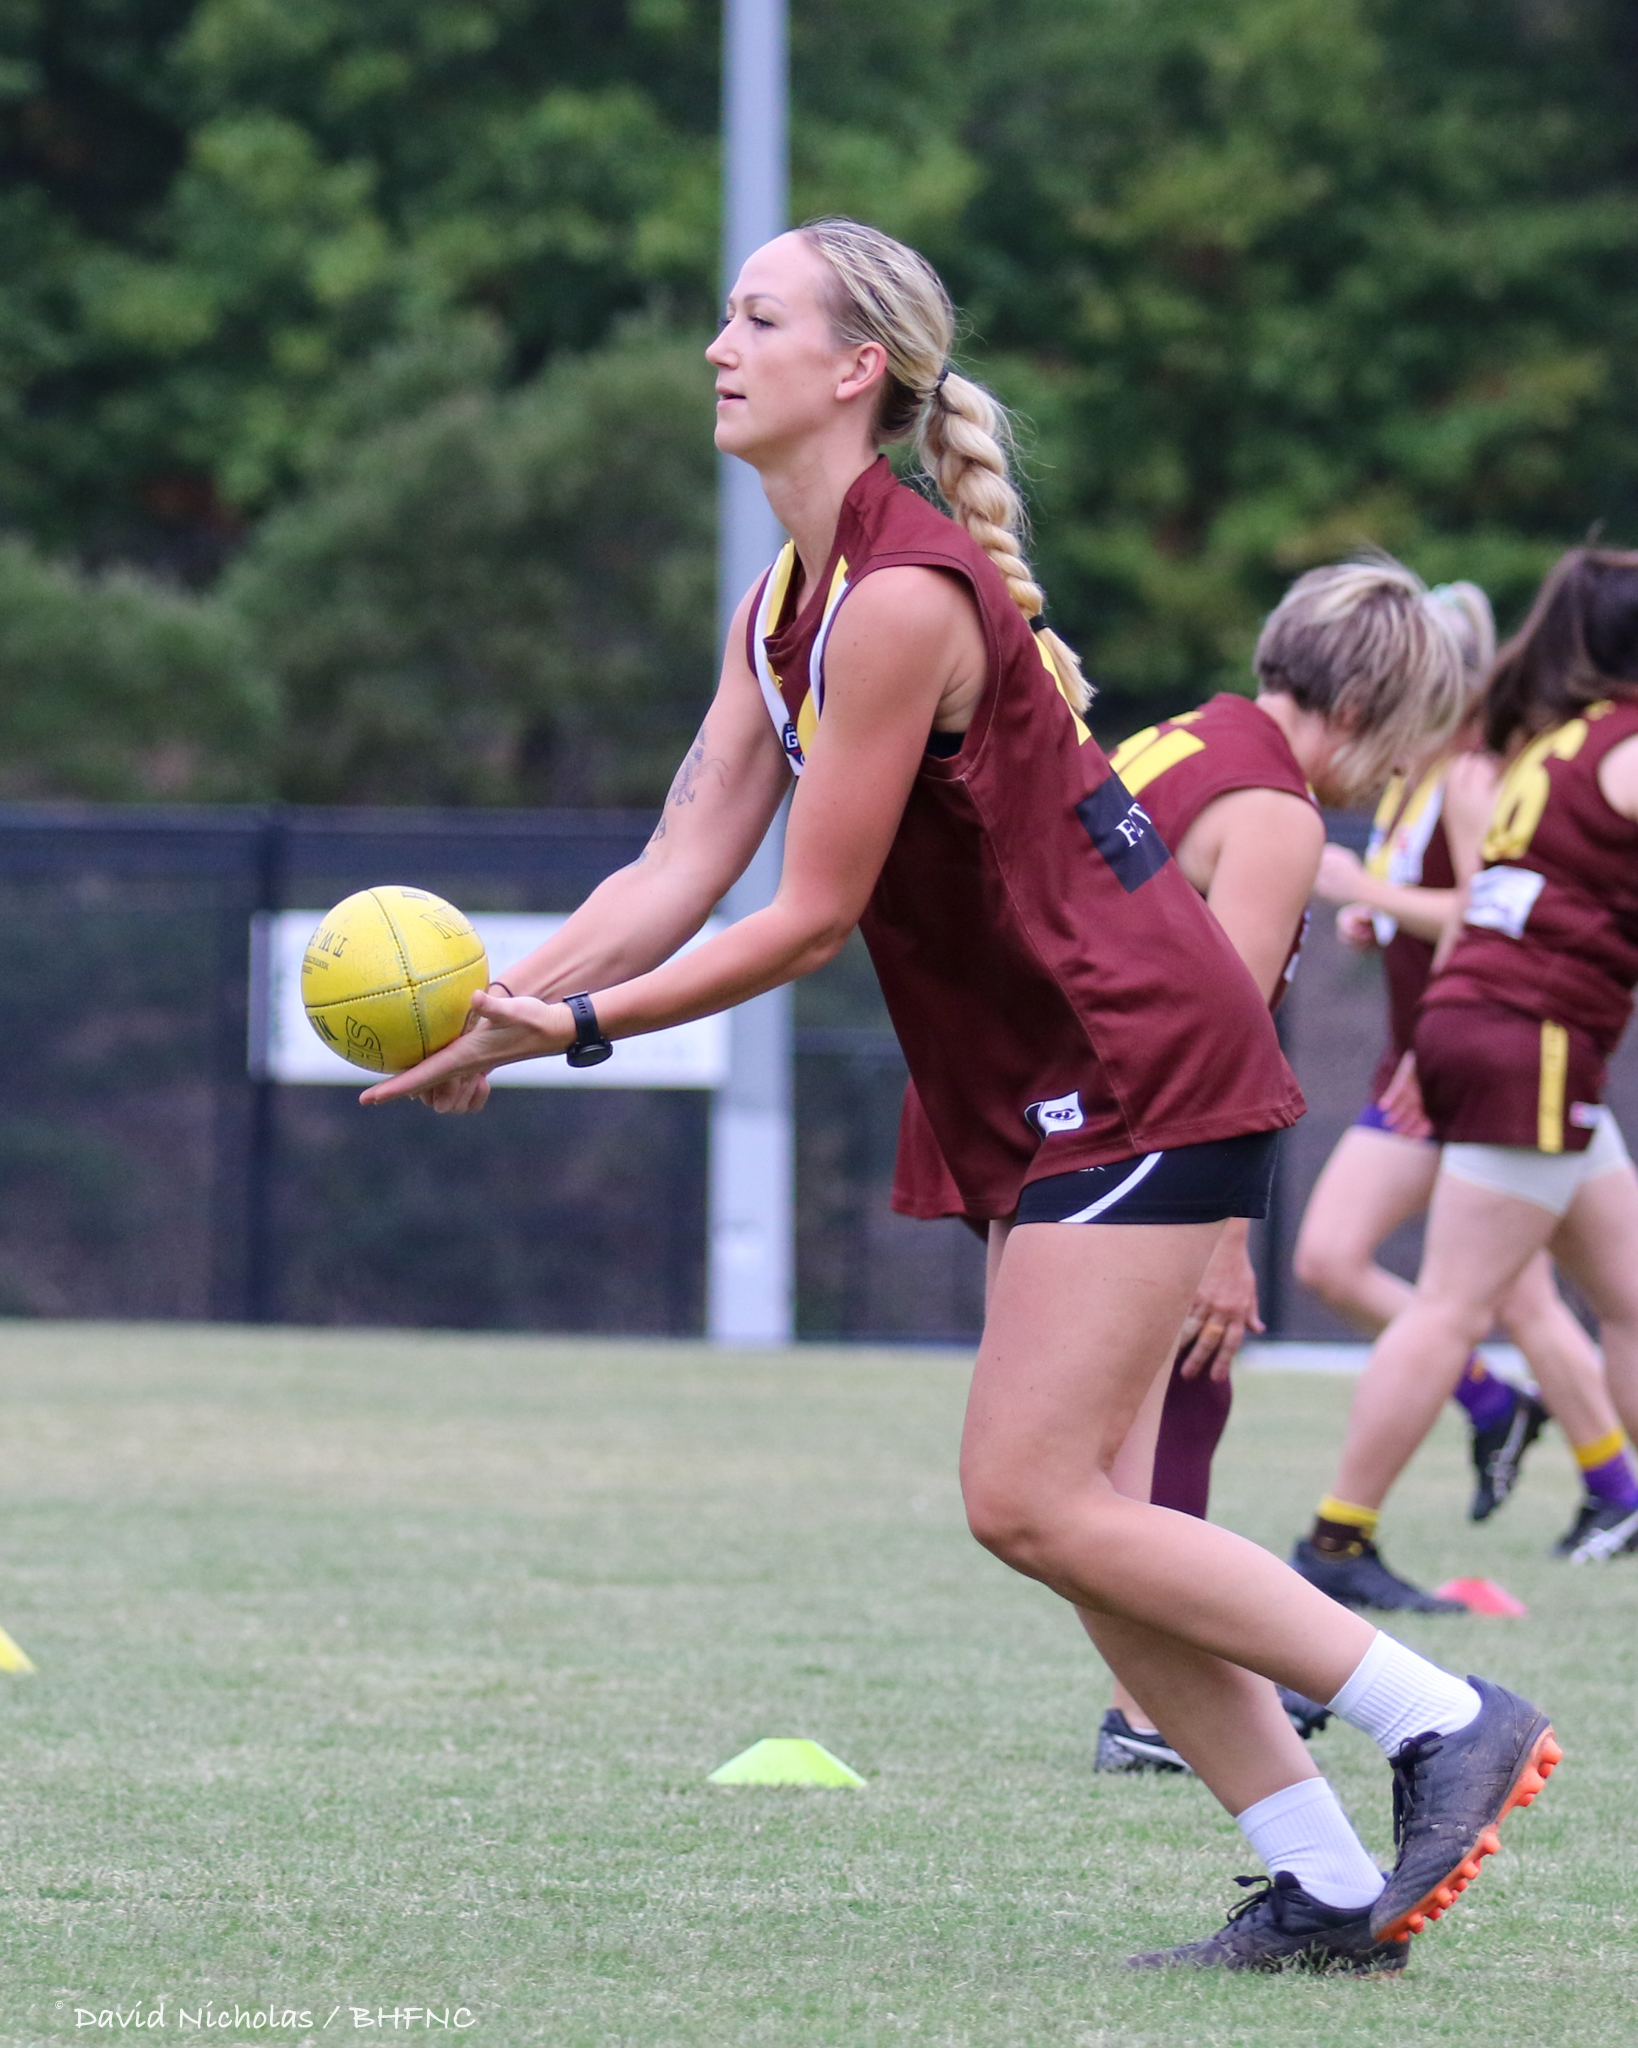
12	1658
784	1761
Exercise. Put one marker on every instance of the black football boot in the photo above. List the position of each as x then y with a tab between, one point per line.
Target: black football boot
1281	1928
1358	1578
1450	1793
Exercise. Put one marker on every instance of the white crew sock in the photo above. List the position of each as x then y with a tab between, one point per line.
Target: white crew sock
1394	1694
1303	1829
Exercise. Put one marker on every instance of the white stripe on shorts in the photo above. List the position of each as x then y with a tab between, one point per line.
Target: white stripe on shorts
1143	1168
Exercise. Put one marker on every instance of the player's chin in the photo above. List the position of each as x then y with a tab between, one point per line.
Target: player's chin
736	432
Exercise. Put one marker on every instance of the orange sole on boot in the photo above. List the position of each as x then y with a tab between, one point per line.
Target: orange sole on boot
1538	1768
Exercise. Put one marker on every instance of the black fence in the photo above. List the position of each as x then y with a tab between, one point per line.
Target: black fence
144	1173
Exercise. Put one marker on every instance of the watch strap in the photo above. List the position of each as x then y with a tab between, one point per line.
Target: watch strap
590	1047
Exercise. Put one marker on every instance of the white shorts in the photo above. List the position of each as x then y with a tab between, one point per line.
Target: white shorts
1551	1180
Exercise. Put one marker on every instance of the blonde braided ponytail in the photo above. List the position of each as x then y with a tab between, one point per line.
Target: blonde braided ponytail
883	292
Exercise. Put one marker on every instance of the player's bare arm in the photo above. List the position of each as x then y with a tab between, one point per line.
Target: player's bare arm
1344	879
1470	792
720	803
1618	778
1253	854
1470	796
904	641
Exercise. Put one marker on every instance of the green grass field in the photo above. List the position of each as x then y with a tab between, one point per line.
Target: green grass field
384	1672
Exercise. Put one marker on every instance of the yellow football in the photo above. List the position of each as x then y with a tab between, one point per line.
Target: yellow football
388	977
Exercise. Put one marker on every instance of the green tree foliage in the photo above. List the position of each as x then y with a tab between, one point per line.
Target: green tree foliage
505	596
1268	279
118	687
1280	276
221	204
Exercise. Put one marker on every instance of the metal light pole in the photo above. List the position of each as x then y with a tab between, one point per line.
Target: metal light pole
751	1287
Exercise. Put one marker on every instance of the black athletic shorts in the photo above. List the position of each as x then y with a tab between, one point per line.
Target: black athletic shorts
1193	1184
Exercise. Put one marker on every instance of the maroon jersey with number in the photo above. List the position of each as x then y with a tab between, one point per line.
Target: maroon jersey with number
1410	848
1178	767
1544	970
1063	997
1174	770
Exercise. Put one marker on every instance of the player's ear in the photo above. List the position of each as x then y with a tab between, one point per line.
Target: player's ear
863	369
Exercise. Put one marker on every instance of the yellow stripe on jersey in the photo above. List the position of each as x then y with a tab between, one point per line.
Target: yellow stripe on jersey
1388	809
1397	819
807	723
1525	788
1083	732
1555	1067
779	582
1148	754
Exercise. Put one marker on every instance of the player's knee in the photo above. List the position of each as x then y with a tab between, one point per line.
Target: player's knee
1329	1269
1033	1528
1466	1323
1009	1516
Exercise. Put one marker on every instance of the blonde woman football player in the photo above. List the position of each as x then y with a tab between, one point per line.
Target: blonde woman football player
1100	1070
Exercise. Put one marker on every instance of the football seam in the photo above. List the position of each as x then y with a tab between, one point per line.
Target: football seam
375	995
409	974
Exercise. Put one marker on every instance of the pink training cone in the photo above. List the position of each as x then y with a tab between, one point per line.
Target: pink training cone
1483	1596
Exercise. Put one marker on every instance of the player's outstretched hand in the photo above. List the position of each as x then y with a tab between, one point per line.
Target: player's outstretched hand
501	1030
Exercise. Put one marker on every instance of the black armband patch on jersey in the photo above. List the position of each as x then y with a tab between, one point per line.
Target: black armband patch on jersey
1123	832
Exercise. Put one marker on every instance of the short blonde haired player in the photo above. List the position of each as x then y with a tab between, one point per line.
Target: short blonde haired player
1103	1015
1356	668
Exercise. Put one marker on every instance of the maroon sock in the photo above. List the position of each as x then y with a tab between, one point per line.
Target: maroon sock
1191	1427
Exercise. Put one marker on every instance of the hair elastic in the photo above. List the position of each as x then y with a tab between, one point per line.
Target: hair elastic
1038	624
938	381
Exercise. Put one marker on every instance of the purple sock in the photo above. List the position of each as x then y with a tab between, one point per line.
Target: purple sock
1614	1481
1487	1399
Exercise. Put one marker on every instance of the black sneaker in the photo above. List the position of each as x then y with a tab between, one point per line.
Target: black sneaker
1450	1793
1282	1928
1601	1529
1307	1716
1121	1747
1498	1453
1359	1578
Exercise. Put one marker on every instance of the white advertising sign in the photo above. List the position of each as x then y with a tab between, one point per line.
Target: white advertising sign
285	1047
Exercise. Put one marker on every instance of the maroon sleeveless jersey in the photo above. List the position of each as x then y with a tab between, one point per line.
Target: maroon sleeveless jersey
1062	995
1548	955
1410	848
1174	770
1178	767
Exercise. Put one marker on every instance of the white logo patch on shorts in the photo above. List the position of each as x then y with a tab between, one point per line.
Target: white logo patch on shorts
1058	1113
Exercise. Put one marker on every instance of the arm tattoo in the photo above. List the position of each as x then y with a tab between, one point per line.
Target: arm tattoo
685	786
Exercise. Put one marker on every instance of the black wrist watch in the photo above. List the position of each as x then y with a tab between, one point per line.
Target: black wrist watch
590	1048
